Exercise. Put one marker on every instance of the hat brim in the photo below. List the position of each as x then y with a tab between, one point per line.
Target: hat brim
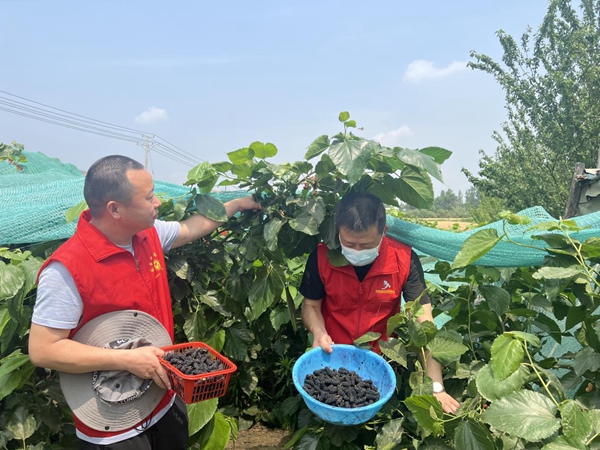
78	387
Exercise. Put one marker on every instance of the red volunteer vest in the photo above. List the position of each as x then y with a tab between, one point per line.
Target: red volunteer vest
352	308
109	278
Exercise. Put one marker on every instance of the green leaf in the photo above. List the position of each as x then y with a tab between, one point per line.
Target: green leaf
261	296
12	381
553	240
421	160
217	340
271	233
12	362
263	151
514	219
248	382
210	299
222	167
204	176
31	268
236	342
344	115
492	389
473	435
338	435
547	324
414	187
591	247
241	156
194	325
575	422
12	279
446	350
525	337
557	273
498	299
563	443
416	333
438	154
290	405
318	146
350	123
279	316
507	355
594	416
301	167
305	223
575	315
475	246
394	350
586	359
336	258
380	187
74	212
199	414
424	408
220	435
210	207
22	425
350	157
390	433
366	338
525	414
309	441
591	327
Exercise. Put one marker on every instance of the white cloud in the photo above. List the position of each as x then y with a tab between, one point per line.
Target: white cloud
152	114
392	138
421	69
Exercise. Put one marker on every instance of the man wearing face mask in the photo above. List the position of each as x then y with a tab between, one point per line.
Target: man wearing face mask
343	303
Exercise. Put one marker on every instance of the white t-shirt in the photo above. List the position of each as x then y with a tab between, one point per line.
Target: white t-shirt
58	303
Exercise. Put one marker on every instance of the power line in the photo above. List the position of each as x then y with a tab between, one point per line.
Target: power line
168	153
86	124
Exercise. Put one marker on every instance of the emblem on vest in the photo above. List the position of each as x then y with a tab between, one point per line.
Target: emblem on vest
155	265
386	288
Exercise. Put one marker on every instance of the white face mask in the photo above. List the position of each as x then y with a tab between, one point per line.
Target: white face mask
361	257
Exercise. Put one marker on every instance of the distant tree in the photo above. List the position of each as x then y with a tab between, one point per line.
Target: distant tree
471	198
447	200
552	85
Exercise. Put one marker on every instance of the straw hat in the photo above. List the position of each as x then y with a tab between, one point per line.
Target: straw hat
115	400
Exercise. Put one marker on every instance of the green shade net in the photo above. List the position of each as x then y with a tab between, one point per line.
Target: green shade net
34	202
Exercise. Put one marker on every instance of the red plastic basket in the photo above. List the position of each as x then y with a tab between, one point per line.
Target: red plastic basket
197	388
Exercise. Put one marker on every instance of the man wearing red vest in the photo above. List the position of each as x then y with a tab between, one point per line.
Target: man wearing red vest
114	262
343	303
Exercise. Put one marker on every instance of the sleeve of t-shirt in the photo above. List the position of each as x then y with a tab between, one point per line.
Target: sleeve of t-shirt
168	232
415	284
312	286
58	303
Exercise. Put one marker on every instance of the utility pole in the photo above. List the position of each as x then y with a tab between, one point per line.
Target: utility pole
147	144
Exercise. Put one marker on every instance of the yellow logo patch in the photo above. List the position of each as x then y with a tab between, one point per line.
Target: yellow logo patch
155	265
385	291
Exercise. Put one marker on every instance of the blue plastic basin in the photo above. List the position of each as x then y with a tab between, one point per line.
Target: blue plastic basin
365	363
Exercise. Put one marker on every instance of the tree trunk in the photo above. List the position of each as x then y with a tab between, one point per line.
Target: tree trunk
573	201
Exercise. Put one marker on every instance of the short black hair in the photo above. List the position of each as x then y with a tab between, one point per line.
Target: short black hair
360	211
106	180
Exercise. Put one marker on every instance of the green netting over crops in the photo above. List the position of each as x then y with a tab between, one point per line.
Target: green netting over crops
34	202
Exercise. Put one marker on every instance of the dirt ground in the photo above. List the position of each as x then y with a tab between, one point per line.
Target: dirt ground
260	437
447	224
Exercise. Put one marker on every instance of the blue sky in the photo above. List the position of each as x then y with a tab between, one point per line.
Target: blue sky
212	77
